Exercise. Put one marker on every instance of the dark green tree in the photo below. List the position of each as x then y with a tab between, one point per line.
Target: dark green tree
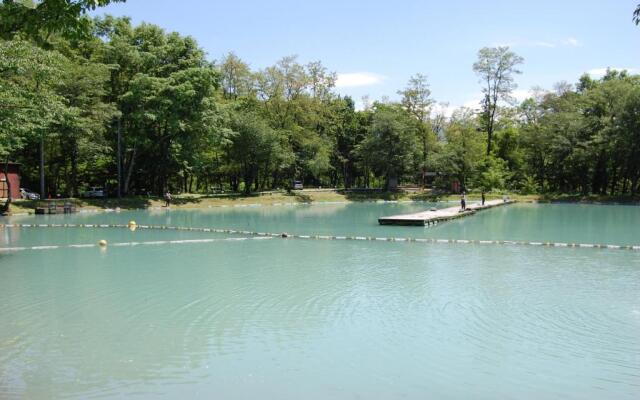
389	148
38	19
496	67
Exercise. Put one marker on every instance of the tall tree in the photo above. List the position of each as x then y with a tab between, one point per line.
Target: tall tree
462	152
416	98
389	147
38	18
86	120
346	135
252	145
321	81
235	77
29	103
496	67
164	87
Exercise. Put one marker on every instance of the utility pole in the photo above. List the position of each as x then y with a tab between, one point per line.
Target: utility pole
119	160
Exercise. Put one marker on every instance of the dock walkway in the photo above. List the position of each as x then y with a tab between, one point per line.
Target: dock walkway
434	216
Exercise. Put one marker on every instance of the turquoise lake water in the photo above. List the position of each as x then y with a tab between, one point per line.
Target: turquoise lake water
292	319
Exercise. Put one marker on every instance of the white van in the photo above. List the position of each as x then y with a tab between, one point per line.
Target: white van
94	192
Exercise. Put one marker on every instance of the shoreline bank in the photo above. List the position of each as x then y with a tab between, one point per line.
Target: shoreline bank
195	201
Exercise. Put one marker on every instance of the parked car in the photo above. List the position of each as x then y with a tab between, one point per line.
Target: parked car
95	191
28	194
297	185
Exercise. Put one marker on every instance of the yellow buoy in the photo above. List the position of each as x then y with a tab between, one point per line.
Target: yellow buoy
132	225
102	243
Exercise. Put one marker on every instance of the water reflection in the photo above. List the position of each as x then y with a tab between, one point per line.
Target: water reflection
572	223
318	319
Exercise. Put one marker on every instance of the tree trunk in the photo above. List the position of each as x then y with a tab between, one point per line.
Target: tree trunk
424	161
127	180
74	169
43	195
185	177
7	205
634	184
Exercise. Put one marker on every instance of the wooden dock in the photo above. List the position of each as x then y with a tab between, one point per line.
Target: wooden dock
434	216
56	207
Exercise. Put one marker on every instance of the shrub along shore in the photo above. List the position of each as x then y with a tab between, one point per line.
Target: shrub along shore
195	201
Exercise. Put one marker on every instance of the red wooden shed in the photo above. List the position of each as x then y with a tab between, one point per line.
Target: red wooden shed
13	174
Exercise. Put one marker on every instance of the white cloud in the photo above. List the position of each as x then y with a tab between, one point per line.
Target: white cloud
600	72
522	94
355	79
473	103
543	44
445	109
504	44
571	41
597	72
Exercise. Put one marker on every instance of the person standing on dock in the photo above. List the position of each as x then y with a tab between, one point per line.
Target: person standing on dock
482	197
463	201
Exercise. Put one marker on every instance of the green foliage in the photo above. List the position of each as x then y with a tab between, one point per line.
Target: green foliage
493	175
165	90
29	102
389	147
236	77
186	124
463	149
529	186
251	145
39	19
416	97
496	67
585	141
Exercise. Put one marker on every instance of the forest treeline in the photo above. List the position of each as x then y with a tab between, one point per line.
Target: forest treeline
187	124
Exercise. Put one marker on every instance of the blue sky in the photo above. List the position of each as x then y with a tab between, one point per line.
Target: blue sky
375	46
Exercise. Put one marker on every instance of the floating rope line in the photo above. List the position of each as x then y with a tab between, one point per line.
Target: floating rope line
265	235
128	244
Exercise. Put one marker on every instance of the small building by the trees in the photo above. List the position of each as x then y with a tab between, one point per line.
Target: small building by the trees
13	174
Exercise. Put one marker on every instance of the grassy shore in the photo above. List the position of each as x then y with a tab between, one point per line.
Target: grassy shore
194	201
